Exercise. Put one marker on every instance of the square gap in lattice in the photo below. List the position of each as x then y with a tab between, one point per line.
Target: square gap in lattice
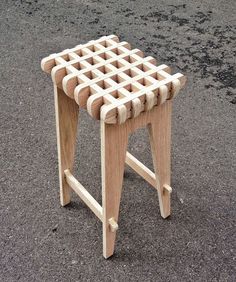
117	64
131	73
76	66
92	61
144	82
90	75
104	85
131	88
79	53
65	57
102	69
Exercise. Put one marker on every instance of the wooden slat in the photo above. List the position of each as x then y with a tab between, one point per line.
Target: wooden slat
142	170
109	112
49	62
83	194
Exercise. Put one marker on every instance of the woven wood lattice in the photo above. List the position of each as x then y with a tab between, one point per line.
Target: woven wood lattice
111	80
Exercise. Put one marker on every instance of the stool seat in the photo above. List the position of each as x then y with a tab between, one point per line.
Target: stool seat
111	80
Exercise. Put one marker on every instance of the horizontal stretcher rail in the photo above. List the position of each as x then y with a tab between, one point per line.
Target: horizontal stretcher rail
146	173
83	194
142	170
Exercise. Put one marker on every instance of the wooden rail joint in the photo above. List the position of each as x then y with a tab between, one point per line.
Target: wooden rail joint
113	224
167	189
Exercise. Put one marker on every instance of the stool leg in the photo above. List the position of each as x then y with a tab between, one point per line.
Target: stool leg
114	141
66	124
160	139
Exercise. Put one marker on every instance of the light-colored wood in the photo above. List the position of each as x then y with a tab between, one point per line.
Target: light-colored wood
126	91
111	80
160	139
142	170
167	188
66	125
83	194
109	112
113	224
114	141
49	62
150	101
70	81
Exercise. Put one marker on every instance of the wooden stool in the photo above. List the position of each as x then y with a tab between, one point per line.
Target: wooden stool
125	91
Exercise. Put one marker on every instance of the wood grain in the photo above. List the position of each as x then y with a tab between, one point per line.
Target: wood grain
66	125
160	139
114	141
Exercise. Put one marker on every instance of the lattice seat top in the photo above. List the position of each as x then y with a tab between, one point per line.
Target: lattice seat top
111	80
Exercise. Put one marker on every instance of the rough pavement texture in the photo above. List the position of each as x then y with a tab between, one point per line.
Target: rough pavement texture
41	241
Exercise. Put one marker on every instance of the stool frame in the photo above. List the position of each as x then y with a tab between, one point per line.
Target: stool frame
114	155
125	90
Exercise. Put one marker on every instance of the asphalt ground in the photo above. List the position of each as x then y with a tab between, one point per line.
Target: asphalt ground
41	241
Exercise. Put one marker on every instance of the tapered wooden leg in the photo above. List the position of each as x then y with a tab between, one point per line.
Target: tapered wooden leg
114	141
66	123
160	139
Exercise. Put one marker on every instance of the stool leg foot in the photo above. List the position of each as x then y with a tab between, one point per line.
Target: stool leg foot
66	124
114	141
160	138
